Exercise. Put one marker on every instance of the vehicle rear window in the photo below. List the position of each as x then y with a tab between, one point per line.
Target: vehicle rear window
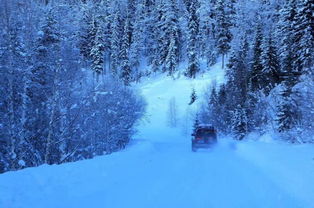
205	133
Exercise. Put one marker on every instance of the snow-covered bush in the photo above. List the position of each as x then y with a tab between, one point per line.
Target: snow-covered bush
103	121
304	97
55	106
301	99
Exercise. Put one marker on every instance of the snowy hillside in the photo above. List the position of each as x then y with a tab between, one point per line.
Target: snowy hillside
162	91
158	169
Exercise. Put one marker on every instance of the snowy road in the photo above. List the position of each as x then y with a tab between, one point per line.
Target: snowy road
148	174
158	169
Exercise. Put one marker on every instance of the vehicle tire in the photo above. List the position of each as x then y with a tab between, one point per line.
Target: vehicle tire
193	148
215	139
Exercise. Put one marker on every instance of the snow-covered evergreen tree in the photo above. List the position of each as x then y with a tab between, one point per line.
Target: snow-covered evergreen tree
286	113
223	111
232	11
223	24
270	63
207	31
13	63
116	34
126	73
193	22
237	86
256	79
169	37
87	31
196	123
97	47
213	106
41	113
303	45
302	95
239	122
287	36
137	46
193	97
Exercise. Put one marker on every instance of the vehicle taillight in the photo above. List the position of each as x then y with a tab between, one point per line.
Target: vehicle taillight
198	138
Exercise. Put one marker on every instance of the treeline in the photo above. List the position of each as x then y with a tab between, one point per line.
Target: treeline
122	38
133	38
270	78
53	108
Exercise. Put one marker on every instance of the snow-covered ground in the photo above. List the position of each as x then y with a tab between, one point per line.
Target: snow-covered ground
158	169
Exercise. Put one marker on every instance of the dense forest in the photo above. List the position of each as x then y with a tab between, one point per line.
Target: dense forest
270	74
67	69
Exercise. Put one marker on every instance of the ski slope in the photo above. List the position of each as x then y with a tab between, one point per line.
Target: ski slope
159	170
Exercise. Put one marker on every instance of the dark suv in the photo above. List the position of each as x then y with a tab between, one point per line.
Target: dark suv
204	136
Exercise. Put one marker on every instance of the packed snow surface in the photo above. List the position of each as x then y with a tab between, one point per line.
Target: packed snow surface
158	169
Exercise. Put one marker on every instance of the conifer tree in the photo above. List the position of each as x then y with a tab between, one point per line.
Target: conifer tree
156	50
137	46
256	82
150	40
239	122
124	53
196	123
41	115
238	90
286	109
287	115
223	117
270	63
238	73
207	31
287	36
213	107
256	74
13	64
115	40
231	11
169	37
224	35
193	97
303	45
97	47
193	24
85	34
